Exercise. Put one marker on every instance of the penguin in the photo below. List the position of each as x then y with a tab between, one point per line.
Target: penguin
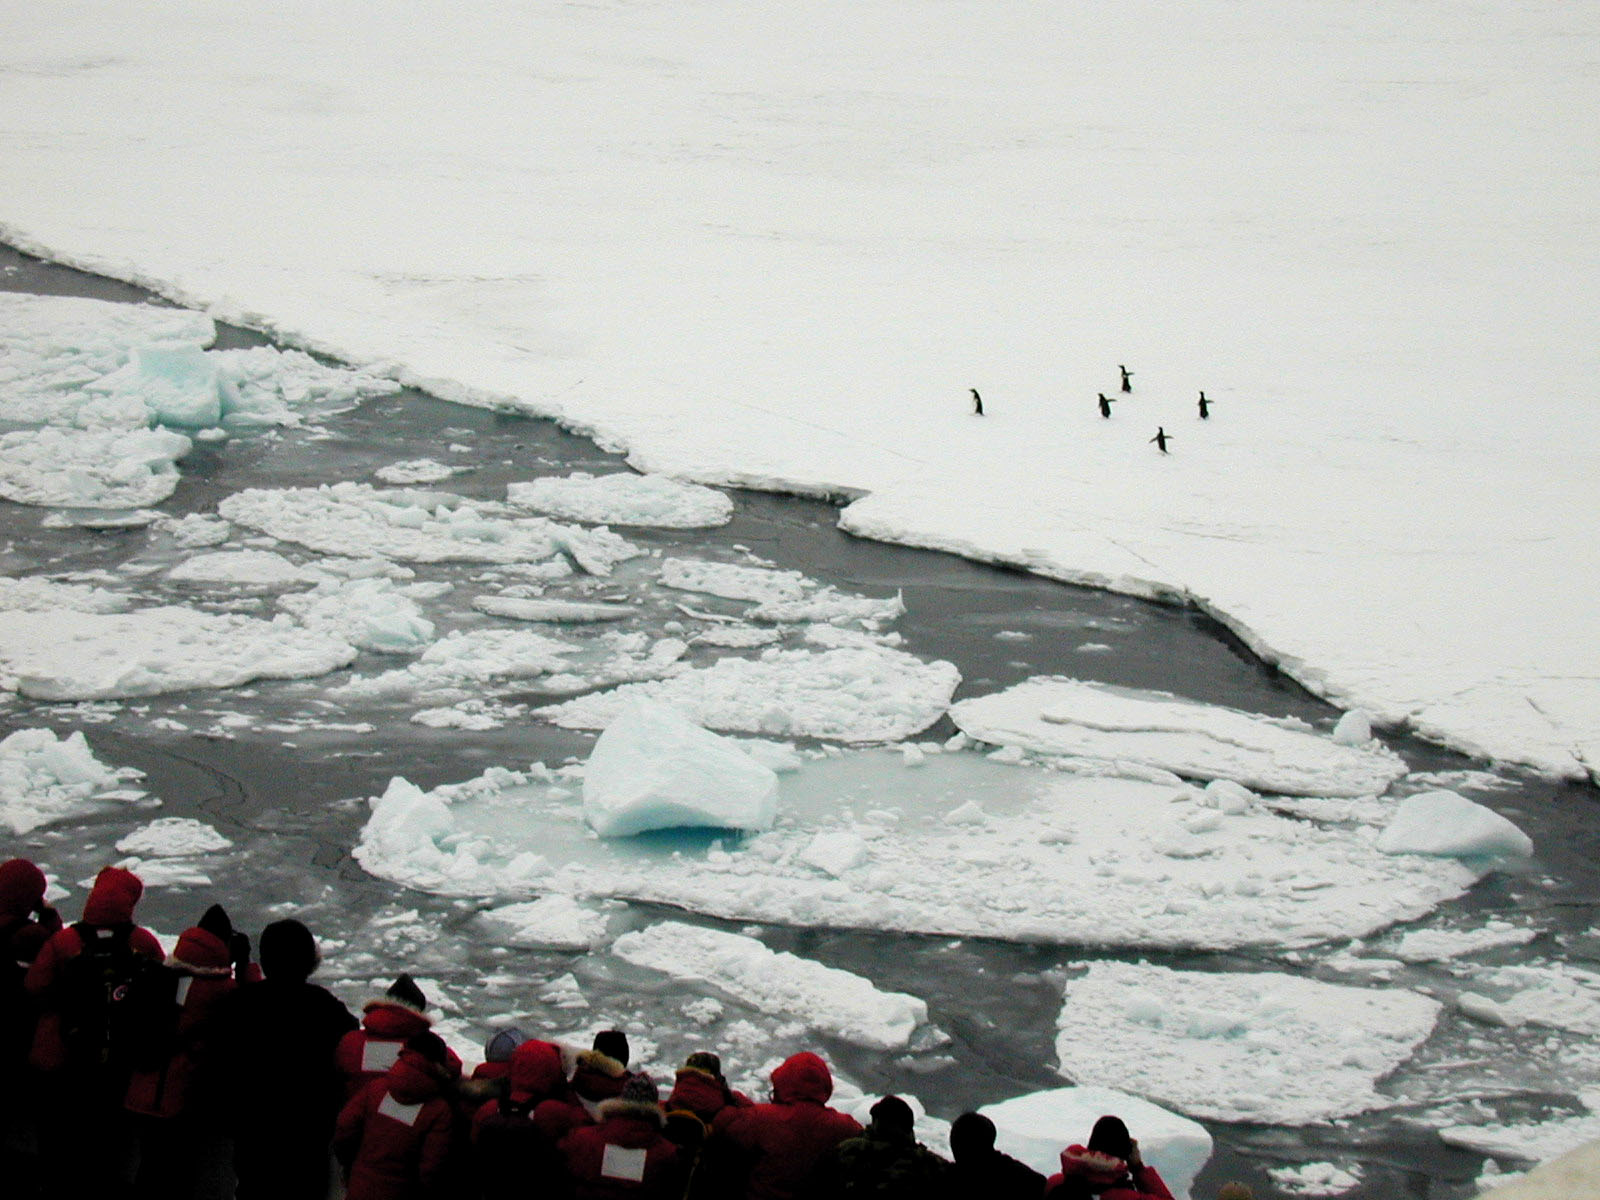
1205	407
977	402
1105	405
1127	377
1161	439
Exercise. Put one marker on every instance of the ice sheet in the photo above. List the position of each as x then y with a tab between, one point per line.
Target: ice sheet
1259	1047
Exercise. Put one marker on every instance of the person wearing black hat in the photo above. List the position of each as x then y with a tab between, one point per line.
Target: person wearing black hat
275	1070
981	1170
887	1162
386	1022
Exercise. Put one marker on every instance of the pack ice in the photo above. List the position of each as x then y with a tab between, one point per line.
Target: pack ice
864	693
417	526
1260	1047
44	778
653	768
624	498
1024	852
1055	715
111	656
1035	1128
827	999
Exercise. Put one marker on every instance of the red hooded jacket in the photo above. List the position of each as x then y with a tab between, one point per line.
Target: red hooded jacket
367	1053
597	1078
536	1076
205	977
395	1133
111	902
784	1143
703	1094
625	1155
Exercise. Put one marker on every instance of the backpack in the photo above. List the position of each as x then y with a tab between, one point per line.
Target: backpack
144	1029
93	987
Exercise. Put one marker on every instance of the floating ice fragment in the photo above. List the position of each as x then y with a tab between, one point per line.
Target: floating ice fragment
1260	1047
1314	1179
855	695
34	593
653	768
1055	715
777	983
624	498
564	611
548	923
1035	1128
45	779
263	568
95	656
173	837
1448	824
372	614
732	581
415	470
107	468
835	851
1354	728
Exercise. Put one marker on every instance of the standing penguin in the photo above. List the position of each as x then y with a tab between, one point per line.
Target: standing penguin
1205	407
1105	405
1127	377
1161	439
977	402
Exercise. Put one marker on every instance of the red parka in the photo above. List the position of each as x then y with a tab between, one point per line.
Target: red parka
395	1133
26	924
111	902
596	1078
703	1094
783	1145
623	1156
536	1076
367	1053
205	977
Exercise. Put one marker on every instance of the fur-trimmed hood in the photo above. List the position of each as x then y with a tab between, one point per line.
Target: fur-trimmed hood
598	1076
201	952
1097	1167
387	1017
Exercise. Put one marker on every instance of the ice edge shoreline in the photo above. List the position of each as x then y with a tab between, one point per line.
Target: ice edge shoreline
454	392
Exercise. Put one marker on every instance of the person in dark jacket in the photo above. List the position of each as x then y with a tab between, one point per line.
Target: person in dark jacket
274	1066
981	1170
625	1154
182	1148
387	1022
512	1151
779	1149
394	1136
1109	1168
887	1162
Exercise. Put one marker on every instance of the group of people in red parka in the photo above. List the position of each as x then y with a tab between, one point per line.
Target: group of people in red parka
205	1074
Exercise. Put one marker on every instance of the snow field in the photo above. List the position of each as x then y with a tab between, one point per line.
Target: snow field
830	1001
1228	1046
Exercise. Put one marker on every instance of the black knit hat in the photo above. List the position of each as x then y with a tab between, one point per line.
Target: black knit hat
705	1060
613	1043
404	990
893	1115
215	922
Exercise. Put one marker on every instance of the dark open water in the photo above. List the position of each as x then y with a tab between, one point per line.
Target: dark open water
286	800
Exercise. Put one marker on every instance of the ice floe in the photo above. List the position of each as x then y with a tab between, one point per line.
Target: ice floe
1036	1127
1199	741
371	614
1314	1179
1575	1173
733	581
96	468
1439	945
417	526
34	593
261	568
1260	1047
653	768
549	923
829	1000
624	499
173	837
1532	1142
107	656
1446	823
565	612
44	778
1555	995
1059	858
416	470
853	695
